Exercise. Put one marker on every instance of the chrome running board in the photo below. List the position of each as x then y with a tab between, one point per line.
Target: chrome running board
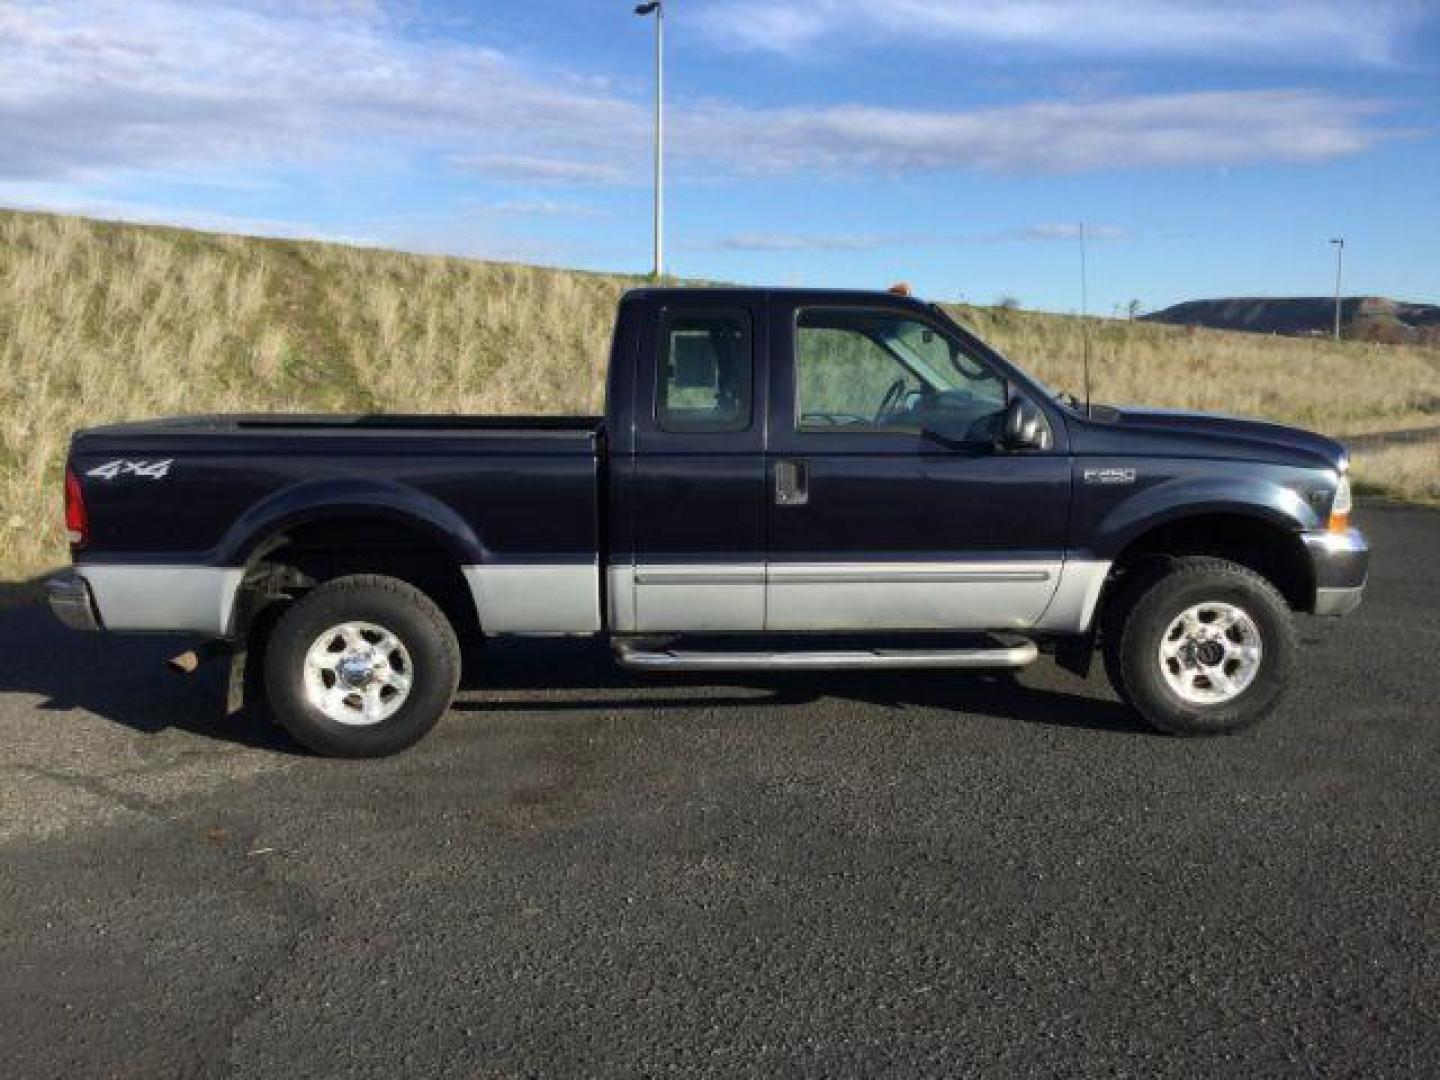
1016	655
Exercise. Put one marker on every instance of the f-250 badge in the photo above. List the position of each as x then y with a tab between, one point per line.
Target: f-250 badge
1109	476
147	470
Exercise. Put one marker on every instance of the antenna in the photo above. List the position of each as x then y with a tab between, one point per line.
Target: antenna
1085	317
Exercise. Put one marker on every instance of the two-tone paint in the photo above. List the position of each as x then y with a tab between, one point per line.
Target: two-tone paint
514	504
584	525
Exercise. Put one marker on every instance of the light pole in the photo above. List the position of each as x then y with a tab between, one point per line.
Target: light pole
657	8
1339	242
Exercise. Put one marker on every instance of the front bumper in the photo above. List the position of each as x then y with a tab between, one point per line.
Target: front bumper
1340	562
71	602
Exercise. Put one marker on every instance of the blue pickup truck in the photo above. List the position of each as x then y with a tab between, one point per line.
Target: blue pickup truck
784	479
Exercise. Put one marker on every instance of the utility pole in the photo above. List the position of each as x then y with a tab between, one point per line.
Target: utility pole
1339	242
1085	317
657	8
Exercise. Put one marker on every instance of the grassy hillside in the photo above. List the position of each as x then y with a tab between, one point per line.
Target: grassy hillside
101	322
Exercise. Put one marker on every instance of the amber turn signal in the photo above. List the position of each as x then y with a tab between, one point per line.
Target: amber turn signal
1341	507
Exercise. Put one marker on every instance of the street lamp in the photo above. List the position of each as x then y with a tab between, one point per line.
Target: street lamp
1339	242
657	8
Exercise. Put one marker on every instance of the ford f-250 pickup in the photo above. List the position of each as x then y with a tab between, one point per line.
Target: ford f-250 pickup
794	479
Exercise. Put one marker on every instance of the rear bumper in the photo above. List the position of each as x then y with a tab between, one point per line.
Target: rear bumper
70	600
1340	563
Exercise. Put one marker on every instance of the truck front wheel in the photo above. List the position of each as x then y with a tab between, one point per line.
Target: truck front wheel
1200	646
361	666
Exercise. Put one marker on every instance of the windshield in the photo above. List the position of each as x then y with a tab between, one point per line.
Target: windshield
1064	397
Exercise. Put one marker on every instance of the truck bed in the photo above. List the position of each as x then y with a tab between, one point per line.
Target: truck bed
203	490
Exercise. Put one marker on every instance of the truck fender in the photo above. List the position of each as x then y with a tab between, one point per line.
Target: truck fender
1174	500
317	500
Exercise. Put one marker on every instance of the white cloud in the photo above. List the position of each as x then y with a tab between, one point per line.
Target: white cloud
1141	131
544	208
1064	230
533	169
92	89
789	241
1301	32
105	84
782	241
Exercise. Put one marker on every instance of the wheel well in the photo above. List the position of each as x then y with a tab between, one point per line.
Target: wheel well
297	559
1270	550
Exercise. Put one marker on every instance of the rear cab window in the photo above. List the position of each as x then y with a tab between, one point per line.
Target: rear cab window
706	377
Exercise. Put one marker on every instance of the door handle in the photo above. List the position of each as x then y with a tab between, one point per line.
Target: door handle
792	483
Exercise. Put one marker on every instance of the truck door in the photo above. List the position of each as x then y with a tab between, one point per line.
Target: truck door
891	506
696	483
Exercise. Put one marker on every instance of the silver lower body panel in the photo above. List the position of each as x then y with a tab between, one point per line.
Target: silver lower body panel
908	596
695	599
1072	608
537	599
1056	596
163	599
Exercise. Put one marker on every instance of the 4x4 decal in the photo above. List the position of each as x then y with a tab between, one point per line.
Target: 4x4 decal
148	470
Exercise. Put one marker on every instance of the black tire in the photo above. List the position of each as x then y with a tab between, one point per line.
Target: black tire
1144	610
403	610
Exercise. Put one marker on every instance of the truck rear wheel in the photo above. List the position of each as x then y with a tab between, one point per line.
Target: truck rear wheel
361	666
1201	646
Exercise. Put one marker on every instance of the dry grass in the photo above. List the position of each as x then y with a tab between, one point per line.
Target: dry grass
103	322
1410	472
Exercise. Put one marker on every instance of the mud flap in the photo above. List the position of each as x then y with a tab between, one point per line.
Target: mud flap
235	689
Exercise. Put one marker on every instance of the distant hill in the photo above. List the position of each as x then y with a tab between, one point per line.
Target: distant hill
1362	318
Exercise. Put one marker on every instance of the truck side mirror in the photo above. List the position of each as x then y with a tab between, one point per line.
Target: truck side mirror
1025	426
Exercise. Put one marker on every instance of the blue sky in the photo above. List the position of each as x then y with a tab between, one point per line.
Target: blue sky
1211	147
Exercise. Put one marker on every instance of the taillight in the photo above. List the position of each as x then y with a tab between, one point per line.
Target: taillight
77	521
1342	506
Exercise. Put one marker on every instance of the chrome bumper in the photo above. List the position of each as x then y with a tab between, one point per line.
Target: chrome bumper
1341	564
70	600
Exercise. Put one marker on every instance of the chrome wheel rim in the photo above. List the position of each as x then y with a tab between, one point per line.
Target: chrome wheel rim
1211	653
358	674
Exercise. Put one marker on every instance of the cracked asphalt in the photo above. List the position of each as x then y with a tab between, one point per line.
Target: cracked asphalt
588	873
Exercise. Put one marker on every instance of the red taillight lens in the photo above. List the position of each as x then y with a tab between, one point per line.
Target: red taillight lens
77	522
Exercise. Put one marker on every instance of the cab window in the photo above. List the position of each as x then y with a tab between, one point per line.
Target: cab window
706	371
877	371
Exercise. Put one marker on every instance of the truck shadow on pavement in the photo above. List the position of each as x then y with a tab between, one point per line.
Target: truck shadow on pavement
122	680
125	682
579	676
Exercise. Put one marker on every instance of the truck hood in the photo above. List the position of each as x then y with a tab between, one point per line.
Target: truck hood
1214	434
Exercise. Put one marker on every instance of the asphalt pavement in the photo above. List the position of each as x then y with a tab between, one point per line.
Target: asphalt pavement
584	872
